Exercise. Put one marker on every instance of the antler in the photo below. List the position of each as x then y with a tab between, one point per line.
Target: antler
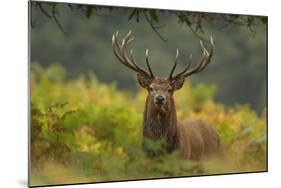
121	54
206	59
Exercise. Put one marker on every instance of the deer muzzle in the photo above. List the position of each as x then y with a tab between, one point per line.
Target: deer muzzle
159	100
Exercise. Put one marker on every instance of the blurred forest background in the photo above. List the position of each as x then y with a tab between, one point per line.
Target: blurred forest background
86	108
80	41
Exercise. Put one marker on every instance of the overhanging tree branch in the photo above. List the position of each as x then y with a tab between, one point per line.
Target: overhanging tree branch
195	21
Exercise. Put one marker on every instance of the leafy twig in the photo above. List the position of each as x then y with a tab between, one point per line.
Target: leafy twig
183	18
188	23
54	14
154	28
44	11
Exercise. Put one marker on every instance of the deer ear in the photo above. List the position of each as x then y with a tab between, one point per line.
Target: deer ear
144	80
178	83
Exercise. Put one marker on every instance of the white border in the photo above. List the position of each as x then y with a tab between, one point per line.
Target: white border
13	99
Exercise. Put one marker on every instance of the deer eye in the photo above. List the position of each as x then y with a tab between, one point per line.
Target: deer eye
169	90
151	88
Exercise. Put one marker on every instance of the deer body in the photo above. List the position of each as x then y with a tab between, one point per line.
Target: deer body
195	139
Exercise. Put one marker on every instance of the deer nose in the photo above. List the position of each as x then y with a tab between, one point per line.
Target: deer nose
160	99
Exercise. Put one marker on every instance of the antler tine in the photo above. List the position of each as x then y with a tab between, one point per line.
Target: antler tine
147	63
115	46
186	69
127	40
117	52
125	43
175	65
133	62
206	59
120	53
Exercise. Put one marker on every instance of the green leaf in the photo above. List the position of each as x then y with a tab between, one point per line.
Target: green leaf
132	14
153	15
89	11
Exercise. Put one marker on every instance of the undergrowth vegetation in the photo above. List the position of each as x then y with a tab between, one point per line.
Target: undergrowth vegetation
86	131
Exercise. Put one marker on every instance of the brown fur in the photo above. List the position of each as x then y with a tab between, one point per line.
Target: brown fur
194	139
197	139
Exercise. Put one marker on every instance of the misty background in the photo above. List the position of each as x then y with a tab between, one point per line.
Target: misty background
79	39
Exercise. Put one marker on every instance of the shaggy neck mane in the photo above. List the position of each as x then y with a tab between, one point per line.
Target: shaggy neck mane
158	125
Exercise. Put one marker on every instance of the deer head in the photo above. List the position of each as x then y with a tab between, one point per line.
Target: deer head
160	90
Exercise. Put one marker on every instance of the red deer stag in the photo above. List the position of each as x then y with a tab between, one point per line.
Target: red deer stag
194	139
